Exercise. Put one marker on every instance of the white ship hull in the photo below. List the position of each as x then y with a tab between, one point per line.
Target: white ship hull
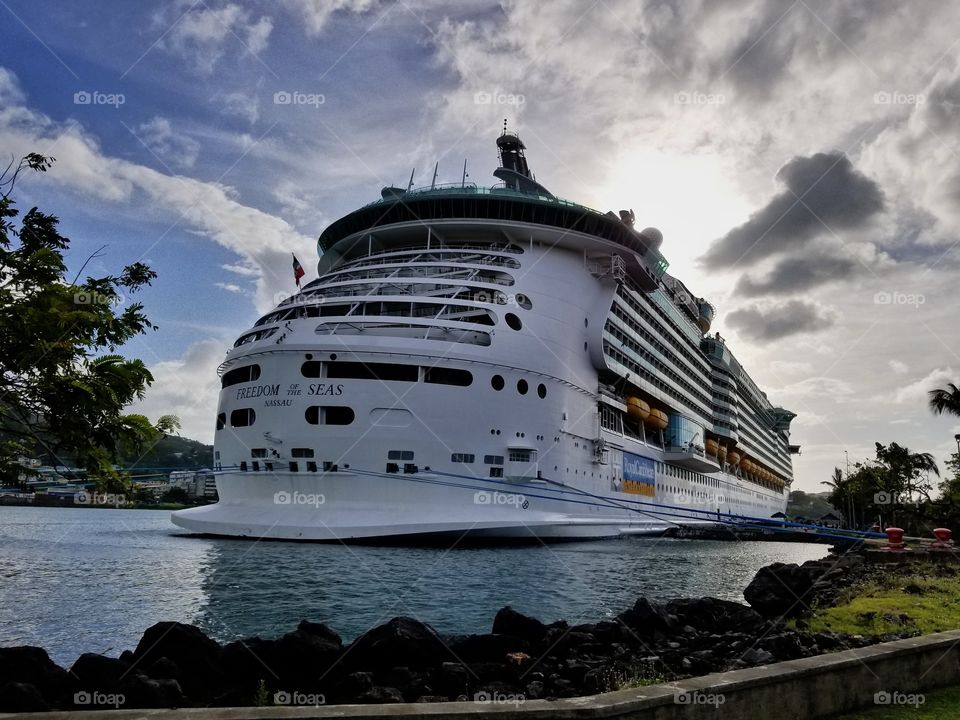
468	375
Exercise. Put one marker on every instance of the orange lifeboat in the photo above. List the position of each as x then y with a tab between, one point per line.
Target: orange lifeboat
637	409
733	458
722	452
658	419
711	446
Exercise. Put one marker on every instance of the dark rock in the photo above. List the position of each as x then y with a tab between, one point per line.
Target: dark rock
781	590
300	657
381	695
163	669
451	679
19	697
402	641
32	666
714	615
196	656
353	686
648	617
509	622
321	631
248	662
99	672
535	690
487	648
140	691
755	656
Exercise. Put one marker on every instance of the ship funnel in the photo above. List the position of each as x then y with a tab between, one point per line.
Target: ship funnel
513	169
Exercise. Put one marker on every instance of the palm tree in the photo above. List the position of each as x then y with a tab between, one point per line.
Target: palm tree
945	400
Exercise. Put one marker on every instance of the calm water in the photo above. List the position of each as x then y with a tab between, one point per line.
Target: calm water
83	580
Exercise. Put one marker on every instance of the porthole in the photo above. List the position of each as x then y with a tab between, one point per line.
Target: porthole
522	386
513	322
585	347
497	382
542	390
523	301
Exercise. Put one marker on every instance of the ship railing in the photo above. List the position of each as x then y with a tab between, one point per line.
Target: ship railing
471	189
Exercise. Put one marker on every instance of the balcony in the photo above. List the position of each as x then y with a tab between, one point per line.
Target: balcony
692	457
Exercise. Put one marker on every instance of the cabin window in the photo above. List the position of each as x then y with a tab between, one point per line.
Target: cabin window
522	386
329	415
247	373
497	382
448	376
244	417
400	455
221	421
301	452
461	457
372	371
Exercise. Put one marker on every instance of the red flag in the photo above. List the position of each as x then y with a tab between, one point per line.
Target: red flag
297	270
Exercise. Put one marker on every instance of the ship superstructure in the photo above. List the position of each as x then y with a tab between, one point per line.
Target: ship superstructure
496	362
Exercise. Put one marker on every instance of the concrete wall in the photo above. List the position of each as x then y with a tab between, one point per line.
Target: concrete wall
814	687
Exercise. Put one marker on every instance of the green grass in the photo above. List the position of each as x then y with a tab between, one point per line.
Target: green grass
921	602
938	705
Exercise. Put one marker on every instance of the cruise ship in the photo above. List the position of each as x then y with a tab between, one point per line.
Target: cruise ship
490	363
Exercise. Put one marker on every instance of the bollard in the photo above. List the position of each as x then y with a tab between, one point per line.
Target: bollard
944	539
895	538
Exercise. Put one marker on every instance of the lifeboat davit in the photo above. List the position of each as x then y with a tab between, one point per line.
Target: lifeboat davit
638	409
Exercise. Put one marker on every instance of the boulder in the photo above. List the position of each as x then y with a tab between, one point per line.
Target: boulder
487	648
99	673
32	666
510	622
381	695
713	615
19	697
781	590
196	656
139	691
648	618
402	641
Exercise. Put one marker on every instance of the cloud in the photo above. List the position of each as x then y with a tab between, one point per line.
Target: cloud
240	104
316	13
201	35
172	148
817	387
774	322
916	392
262	241
898	368
825	194
188	387
798	274
230	287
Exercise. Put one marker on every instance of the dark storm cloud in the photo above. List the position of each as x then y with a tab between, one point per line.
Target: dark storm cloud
780	321
825	193
798	274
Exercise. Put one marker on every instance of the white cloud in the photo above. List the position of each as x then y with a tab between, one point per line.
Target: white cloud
202	35
316	13
187	387
898	367
262	241
172	148
241	105
916	392
230	287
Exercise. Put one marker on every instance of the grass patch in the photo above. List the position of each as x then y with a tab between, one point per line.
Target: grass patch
921	602
938	705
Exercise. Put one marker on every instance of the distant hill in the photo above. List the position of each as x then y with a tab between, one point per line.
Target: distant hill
812	506
173	452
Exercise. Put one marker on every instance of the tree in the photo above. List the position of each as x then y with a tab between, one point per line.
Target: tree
63	387
176	495
945	400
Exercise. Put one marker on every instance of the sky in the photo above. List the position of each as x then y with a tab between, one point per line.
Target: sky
800	158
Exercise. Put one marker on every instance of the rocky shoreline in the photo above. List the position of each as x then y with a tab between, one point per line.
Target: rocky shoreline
405	660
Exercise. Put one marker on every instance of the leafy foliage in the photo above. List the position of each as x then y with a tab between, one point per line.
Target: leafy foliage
63	387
